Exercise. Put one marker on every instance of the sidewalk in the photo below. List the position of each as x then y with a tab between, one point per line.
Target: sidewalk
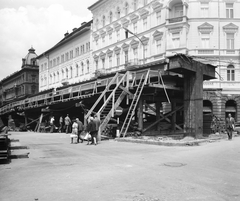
172	141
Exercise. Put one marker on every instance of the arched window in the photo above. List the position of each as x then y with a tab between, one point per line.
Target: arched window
54	78
126	8
230	73
63	74
66	73
71	72
135	4
77	70
110	17
88	67
57	76
103	20
45	81
118	13
82	68
50	79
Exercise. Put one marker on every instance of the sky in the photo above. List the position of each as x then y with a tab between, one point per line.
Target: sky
36	23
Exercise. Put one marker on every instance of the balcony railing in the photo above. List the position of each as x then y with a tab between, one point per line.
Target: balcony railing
176	19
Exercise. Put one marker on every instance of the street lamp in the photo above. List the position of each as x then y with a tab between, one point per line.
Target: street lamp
127	30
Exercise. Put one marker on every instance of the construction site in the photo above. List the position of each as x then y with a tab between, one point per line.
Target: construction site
159	98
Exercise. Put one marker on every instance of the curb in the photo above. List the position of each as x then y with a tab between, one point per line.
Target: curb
162	143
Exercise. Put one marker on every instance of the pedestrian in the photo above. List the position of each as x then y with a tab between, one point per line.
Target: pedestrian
91	128
80	129
97	124
52	126
74	133
60	125
67	122
230	125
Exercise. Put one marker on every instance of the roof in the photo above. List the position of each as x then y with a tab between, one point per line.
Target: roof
85	27
96	3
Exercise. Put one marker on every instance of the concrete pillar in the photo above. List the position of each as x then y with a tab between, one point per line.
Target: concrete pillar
140	114
158	106
193	102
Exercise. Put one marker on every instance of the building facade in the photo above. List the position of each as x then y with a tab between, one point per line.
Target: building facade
67	62
142	31
23	83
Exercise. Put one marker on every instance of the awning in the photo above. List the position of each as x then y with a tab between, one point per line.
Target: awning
230	109
207	109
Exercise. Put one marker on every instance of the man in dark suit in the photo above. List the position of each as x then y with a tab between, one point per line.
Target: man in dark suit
230	125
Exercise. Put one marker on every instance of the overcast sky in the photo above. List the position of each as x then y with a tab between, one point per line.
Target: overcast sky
37	23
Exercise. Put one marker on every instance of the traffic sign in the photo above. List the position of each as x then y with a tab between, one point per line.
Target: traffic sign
118	111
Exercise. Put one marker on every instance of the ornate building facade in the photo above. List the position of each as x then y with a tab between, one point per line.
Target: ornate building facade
23	83
128	32
67	62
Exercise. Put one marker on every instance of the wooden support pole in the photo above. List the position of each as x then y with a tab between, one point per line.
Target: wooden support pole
140	114
173	118
158	106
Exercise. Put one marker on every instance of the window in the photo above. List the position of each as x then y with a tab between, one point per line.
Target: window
97	23
118	13
82	65
118	59
83	48
103	39
62	58
126	8
77	69
66	56
145	2
204	9
110	37
126	57
110	61
135	4
58	60
54	78
50	64
176	39
135	27
71	54
54	62
230	73
103	20
135	54
41	68
205	40
118	35
96	63
229	10
145	49
58	76
178	10
158	17
66	73
88	67
158	46
145	24
110	17
103	63
63	74
230	41
77	51
45	66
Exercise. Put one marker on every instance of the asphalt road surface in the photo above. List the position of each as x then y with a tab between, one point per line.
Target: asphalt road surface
119	171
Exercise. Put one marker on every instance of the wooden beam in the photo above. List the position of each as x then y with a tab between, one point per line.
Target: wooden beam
126	90
160	86
169	114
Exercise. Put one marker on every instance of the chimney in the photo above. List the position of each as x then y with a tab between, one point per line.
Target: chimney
66	34
74	29
83	23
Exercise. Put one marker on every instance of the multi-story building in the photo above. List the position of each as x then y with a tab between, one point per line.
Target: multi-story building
67	62
22	83
143	31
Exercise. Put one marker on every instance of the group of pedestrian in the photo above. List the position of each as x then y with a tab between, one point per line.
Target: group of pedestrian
93	128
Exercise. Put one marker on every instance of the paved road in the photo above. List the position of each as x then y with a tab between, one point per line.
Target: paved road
120	171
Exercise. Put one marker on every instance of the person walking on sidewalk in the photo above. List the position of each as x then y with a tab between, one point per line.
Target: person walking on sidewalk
230	125
52	124
80	129
91	128
67	122
60	125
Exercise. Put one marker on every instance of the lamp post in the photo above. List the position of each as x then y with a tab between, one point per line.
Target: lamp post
139	40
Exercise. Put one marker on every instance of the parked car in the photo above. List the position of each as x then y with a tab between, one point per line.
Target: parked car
237	127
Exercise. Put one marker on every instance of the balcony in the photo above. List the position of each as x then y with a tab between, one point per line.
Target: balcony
206	51
134	63
65	82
